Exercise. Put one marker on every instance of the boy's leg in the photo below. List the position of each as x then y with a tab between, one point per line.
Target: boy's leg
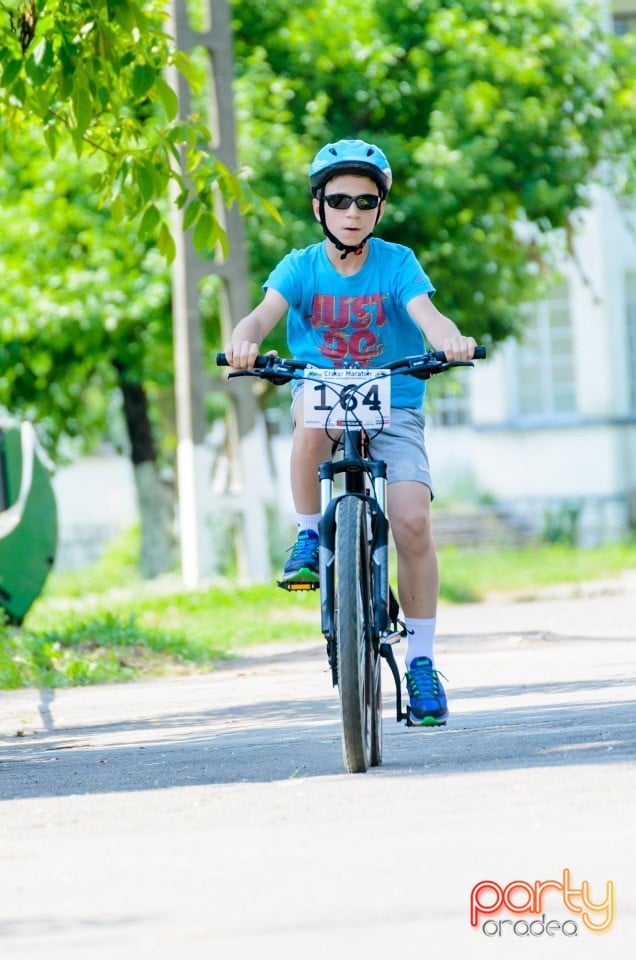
309	448
418	587
408	504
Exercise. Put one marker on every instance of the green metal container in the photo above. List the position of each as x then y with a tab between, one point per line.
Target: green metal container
28	518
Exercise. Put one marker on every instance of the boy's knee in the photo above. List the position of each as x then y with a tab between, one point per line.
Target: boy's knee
309	441
412	530
411	527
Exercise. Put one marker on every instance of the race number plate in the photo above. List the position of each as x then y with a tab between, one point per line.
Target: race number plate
353	398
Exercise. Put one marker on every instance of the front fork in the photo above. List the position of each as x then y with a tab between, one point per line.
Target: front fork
378	547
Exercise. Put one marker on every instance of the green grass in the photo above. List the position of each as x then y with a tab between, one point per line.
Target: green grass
126	633
471	575
117	567
106	624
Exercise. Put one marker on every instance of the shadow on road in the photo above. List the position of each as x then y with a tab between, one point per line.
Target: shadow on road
279	740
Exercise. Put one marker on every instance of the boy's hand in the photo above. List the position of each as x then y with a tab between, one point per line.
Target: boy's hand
241	354
242	349
459	348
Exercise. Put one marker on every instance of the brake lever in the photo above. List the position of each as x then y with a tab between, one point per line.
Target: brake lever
440	367
277	379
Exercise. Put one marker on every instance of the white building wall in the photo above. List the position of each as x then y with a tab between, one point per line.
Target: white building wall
605	250
535	466
96	502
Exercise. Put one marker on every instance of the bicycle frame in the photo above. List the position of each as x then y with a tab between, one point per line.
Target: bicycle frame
359	471
356	469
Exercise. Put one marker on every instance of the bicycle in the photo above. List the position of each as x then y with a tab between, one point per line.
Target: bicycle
360	615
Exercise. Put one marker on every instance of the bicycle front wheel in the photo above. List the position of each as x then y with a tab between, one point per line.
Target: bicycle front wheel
353	636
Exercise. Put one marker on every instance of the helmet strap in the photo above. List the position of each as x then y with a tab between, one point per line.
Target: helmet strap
343	248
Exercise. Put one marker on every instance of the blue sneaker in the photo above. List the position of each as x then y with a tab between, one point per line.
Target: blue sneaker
428	707
302	566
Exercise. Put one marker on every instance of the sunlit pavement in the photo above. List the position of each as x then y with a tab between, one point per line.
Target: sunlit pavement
209	815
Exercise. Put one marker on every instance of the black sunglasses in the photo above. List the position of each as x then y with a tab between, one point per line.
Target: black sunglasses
342	201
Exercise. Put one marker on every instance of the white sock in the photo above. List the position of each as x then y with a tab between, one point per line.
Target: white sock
307	521
421	634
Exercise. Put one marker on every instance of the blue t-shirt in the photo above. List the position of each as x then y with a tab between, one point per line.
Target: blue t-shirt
334	319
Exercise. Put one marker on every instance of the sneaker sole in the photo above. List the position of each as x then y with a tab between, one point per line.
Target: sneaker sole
426	721
304	575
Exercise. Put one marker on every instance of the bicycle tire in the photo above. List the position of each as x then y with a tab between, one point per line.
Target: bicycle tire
353	635
376	715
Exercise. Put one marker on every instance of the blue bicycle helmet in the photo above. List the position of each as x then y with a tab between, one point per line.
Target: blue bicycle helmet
348	156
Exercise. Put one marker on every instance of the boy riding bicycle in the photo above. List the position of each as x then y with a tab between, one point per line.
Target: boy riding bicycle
354	297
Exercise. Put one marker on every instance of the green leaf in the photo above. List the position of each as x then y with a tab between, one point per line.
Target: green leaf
185	66
143	77
68	49
271	209
145	181
120	11
168	98
18	90
118	209
40	63
205	232
222	239
208	232
166	243
11	71
182	133
64	85
193	212
149	222
182	197
231	186
83	110
50	138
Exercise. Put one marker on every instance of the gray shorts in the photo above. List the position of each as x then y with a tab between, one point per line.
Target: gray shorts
400	445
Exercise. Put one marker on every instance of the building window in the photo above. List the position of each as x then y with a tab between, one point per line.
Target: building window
545	385
624	23
630	311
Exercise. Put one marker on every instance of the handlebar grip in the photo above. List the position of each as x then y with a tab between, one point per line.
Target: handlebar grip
261	361
479	354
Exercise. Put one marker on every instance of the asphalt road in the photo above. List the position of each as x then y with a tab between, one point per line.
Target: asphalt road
209	815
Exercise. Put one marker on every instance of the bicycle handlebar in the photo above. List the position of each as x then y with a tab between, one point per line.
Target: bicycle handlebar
264	360
280	370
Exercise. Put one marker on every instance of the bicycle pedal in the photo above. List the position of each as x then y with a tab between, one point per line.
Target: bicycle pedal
284	585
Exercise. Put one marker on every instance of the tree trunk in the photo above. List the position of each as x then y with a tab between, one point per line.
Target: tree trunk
153	498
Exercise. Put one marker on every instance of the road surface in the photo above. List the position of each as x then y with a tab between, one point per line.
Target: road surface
208	816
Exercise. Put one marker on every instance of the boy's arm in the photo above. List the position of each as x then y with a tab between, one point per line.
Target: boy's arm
249	333
441	333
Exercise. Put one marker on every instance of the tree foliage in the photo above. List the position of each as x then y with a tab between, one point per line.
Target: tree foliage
497	118
96	73
82	303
